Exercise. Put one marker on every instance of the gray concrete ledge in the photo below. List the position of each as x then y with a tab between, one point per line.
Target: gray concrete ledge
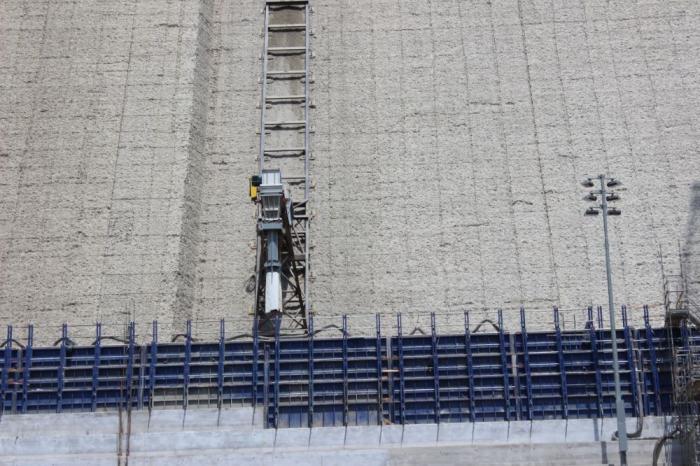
176	437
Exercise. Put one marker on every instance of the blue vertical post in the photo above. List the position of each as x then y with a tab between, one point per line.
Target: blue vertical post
27	367
590	317
256	356
504	366
266	385
7	360
345	370
600	317
562	366
220	365
310	323
630	362
402	399
470	367
130	363
96	364
152	365
653	362
61	368
380	394
436	368
276	400
526	363
596	365
188	360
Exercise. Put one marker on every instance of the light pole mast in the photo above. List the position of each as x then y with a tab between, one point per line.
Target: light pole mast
619	405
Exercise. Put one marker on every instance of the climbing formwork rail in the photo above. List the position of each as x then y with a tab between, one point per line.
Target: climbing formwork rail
284	149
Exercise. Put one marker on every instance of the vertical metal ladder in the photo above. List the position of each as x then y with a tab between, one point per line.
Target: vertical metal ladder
284	145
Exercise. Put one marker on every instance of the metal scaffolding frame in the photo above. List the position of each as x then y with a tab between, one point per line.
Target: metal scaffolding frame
682	318
321	379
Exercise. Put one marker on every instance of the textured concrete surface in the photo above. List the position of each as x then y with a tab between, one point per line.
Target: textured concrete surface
449	140
237	436
102	116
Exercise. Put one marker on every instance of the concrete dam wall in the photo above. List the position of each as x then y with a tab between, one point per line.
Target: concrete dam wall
449	138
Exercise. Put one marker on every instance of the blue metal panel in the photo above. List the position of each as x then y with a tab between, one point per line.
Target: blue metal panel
653	363
440	378
504	366
562	366
130	364
436	368
255	362
152	364
96	365
470	367
596	365
27	367
345	370
186	368
526	363
220	367
266	385
378	362
6	364
631	366
276	399
402	386
310	376
61	368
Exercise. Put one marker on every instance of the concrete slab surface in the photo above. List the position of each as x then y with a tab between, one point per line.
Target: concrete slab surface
293	438
514	443
490	432
420	434
362	436
457	432
392	435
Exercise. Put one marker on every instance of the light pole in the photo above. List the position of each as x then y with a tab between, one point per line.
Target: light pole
609	196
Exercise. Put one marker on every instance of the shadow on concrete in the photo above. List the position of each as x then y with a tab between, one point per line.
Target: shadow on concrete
691	247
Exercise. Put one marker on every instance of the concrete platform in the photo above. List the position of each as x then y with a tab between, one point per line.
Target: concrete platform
176	437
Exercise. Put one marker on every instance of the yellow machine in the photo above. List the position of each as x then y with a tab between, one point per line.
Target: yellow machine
253	184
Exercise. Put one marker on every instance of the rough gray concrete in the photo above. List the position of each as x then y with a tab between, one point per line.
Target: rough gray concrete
102	116
449	140
236	436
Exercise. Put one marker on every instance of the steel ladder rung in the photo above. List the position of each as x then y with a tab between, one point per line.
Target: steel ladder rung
285	98
284	152
287	3
286	27
287	124
294	179
285	50
285	149
287	73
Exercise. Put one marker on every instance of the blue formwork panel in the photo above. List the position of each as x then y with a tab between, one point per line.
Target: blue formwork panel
322	381
332	382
